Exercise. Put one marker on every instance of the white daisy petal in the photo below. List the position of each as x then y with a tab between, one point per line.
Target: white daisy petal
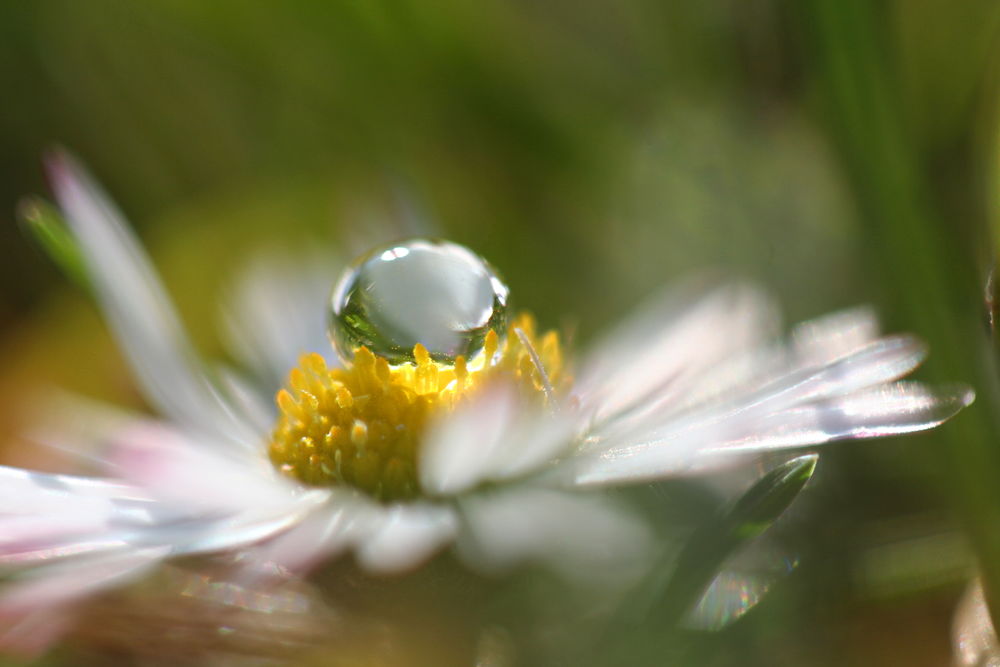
583	535
76	426
882	361
46	518
459	448
202	535
137	308
347	520
175	470
824	339
29	492
255	407
33	610
902	407
534	441
493	436
277	311
64	582
887	410
677	342
407	535
50	517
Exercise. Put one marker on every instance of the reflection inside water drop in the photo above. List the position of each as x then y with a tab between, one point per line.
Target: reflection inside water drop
436	293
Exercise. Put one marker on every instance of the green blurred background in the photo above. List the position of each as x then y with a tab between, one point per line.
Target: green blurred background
839	152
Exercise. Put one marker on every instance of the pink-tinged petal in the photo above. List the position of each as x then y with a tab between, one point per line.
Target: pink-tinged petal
28	539
406	536
41	596
30	493
64	582
137	308
31	634
44	518
175	470
680	342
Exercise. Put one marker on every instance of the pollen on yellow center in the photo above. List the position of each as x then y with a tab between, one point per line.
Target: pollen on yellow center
362	425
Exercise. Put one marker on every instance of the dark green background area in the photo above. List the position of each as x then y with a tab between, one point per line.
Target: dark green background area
839	152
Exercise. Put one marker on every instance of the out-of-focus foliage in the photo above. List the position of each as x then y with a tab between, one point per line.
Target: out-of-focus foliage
841	152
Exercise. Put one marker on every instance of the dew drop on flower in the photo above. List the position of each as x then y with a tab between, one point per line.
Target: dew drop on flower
436	293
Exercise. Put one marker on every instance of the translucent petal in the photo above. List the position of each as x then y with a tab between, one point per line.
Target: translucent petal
902	407
174	470
29	493
255	407
65	581
670	443
825	339
28	540
676	342
458	448
711	440
882	361
345	520
51	517
406	536
494	436
32	609
276	311
204	534
137	308
585	537
75	426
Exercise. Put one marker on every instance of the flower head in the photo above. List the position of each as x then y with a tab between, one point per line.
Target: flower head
481	437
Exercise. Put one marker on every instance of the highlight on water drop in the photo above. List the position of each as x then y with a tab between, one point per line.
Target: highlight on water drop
434	293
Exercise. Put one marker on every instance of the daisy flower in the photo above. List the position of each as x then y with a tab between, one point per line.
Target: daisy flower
449	420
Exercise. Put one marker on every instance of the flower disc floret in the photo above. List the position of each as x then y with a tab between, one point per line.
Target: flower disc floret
362	425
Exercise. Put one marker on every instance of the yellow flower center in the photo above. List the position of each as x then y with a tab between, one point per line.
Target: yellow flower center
362	426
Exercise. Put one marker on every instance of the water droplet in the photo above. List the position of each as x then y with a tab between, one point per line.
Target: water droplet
436	293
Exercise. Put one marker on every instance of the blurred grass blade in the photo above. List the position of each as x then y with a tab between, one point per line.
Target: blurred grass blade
905	187
667	597
43	222
766	500
710	547
743	582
